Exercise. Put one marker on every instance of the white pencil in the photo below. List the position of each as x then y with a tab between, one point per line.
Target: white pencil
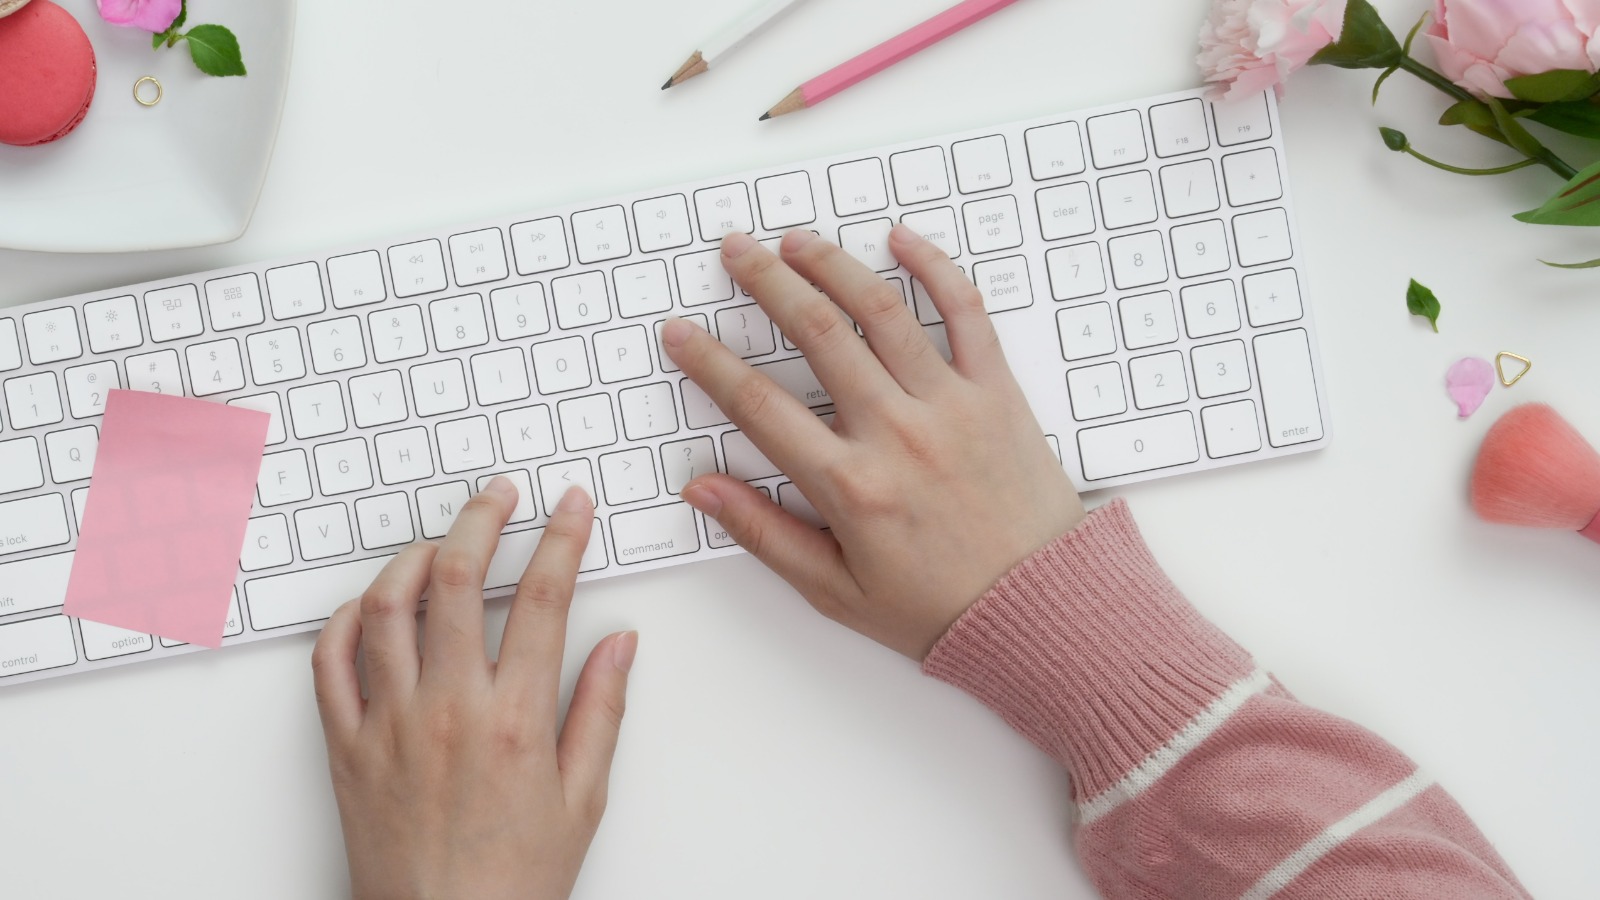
728	39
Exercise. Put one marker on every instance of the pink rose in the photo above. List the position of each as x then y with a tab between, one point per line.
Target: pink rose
1481	43
1251	45
154	16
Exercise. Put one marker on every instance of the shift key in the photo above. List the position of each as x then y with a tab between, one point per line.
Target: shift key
33	523
1288	388
34	583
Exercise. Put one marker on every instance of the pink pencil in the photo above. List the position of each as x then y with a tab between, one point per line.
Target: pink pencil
886	54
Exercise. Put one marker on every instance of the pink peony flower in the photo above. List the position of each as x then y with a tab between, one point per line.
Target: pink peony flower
1481	43
154	16
1251	45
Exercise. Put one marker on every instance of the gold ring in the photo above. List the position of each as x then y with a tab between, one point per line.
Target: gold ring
139	98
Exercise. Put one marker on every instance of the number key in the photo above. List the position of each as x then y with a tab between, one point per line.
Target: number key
1076	271
1086	331
1200	248
519	311
581	300
336	345
1210	308
1138	260
1096	391
1148	320
458	322
1158	380
1220	369
397	333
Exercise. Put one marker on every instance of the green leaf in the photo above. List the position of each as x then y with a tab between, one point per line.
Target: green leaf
183	16
215	50
1421	302
1555	86
1577	203
1516	135
1590	264
1581	118
156	40
170	36
1474	115
1379	83
1365	42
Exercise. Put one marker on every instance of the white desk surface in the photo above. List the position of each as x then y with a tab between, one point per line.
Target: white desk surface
768	753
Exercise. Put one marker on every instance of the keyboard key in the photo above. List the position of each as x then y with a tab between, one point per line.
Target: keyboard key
540	246
10	350
1138	260
600	234
397	334
1148	320
561	365
796	377
699	411
937	226
1288	388
587	422
1200	248
527	508
581	300
174	313
667	365
308	595
477	257
1054	150
519	311
648	411
622	354
1262	237
1252	177
510	559
336	345
657	533
438	388
746	330
356	279
1117	139
404	455
52	335
1179	128
215	367
71	453
786	201
663	223
234	302
982	164
270	404
276	356
379	398
324	532
1142	445
112	325
1242	121
701	278
642	288
292	291
36	645
284	478
920	175
343	466
464	445
1086	331
155	372
458	323
501	376
266	543
1004	283
385	521
683	461
1231	429
526	433
1272	297
746	462
723	209
1096	391
629	476
317	410
993	224
33	523
1210	308
868	242
232	627
858	187
417	268
1065	211
1190	188
1220	369
88	387
34	584
20	469
107	641
33	400
1128	199
921	301
1076	271
1158	380
556	479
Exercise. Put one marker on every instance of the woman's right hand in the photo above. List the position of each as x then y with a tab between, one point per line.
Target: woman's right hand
934	478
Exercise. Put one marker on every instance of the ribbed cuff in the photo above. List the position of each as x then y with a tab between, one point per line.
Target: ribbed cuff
1088	650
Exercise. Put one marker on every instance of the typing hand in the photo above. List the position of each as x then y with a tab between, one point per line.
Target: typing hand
934	476
454	777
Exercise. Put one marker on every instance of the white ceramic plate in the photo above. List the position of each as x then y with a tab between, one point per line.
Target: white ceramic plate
181	174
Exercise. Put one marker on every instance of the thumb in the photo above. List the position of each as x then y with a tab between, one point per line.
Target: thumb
803	556
589	737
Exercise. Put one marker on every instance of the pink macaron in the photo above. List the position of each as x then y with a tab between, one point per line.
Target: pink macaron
48	77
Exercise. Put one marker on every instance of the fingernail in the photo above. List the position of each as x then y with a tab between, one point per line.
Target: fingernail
623	650
574	500
735	244
703	498
902	233
798	238
675	331
502	486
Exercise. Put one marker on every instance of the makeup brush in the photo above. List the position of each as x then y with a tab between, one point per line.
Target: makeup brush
1534	469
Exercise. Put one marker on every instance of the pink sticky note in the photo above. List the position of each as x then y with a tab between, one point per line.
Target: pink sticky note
165	517
1469	382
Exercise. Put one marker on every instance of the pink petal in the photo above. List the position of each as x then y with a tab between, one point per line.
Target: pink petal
1469	382
154	16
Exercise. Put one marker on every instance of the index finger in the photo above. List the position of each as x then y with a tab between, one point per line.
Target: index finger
453	632
536	629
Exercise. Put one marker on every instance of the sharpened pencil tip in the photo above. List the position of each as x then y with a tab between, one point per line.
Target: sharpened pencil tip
667	85
764	116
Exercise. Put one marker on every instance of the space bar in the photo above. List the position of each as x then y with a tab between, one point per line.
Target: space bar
308	595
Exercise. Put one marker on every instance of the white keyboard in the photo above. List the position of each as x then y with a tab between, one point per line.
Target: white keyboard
1140	263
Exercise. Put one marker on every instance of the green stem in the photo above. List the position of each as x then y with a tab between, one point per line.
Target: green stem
1497	170
1544	157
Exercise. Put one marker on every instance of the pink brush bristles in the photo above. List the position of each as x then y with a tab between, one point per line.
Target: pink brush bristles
1536	470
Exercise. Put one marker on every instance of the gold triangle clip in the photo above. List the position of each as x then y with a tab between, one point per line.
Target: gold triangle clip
1500	367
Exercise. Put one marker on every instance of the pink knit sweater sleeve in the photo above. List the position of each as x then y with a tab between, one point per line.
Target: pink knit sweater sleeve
1194	773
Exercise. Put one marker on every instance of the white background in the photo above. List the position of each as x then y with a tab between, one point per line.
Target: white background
767	752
